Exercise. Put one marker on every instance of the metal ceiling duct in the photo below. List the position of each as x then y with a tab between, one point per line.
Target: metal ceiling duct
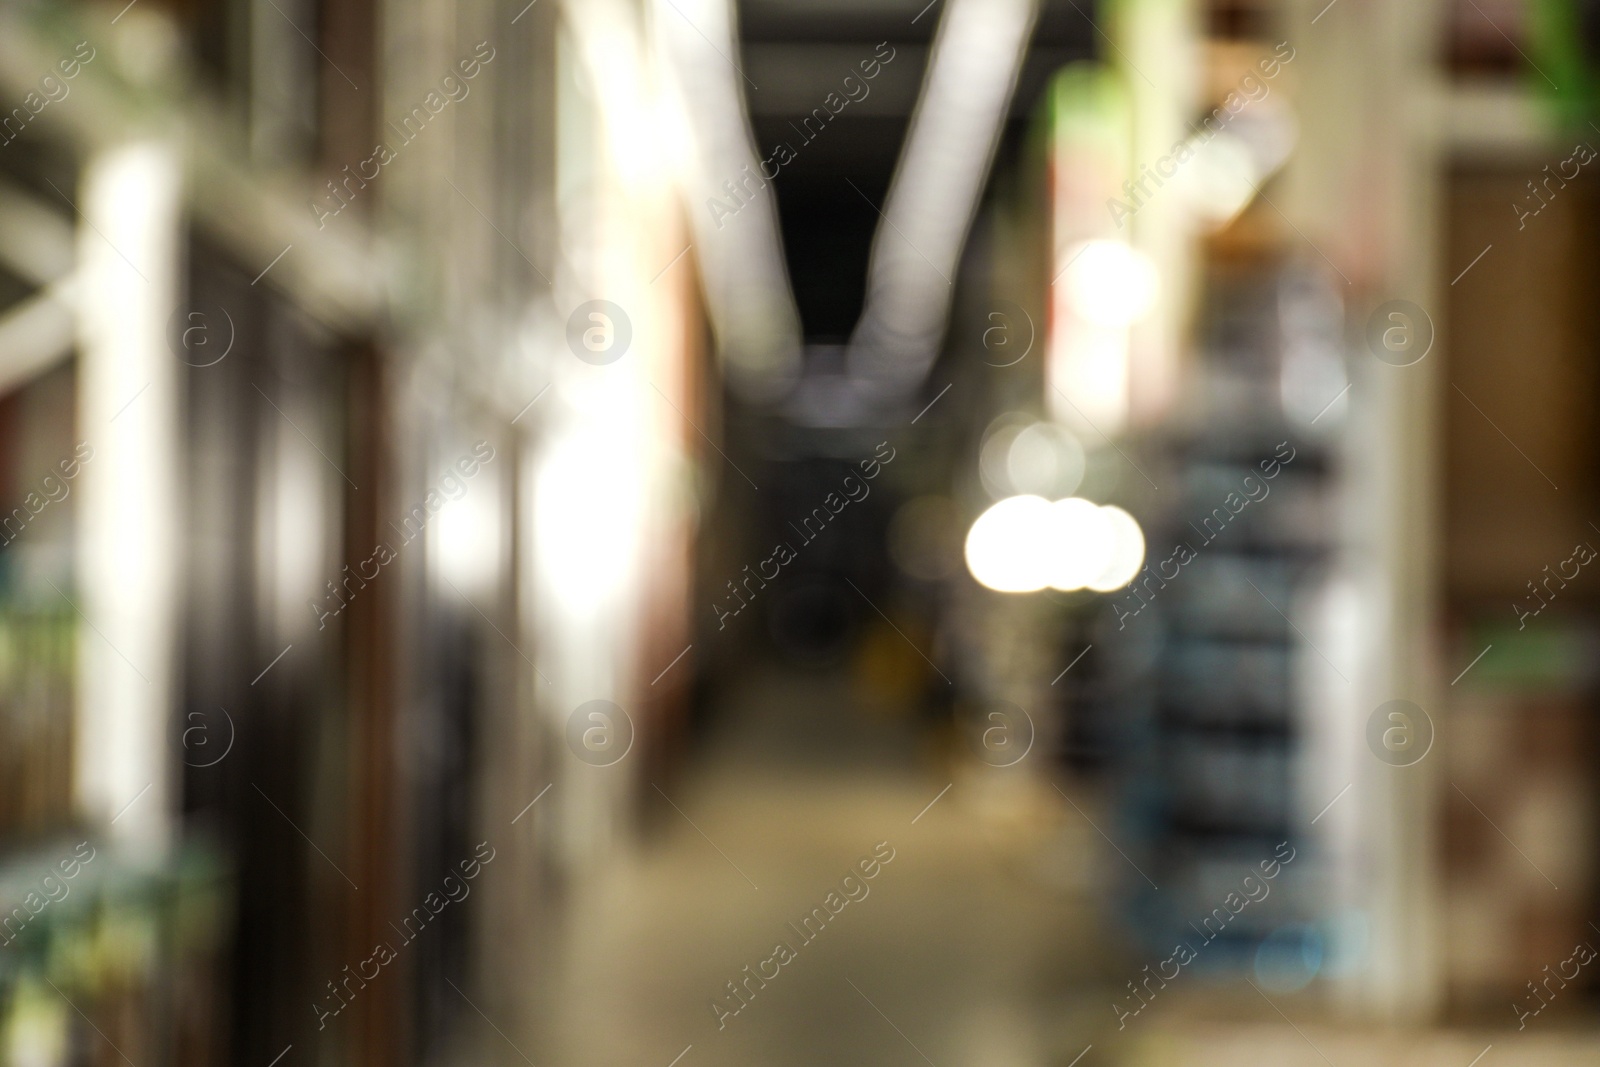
966	93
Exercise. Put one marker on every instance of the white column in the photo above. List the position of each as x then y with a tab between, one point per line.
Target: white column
128	494
1365	187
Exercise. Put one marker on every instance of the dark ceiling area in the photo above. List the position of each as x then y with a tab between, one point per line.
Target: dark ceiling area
794	56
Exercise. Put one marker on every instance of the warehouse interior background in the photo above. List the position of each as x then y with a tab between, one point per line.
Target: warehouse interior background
1034	533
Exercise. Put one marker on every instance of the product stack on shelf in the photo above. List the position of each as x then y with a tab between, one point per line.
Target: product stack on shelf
1207	653
135	950
132	946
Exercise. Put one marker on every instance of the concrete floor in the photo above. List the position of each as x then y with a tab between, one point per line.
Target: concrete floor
981	942
968	948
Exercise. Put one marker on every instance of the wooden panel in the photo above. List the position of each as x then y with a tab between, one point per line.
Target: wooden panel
1519	346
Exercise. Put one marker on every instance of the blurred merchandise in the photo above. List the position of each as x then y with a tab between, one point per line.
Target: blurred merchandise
120	959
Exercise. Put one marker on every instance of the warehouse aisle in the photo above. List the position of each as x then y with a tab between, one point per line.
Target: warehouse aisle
962	938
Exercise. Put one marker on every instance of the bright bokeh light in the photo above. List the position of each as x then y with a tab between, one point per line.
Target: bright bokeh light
1009	546
1127	554
1109	283
1082	543
1046	459
588	507
1024	455
1026	543
995	452
467	546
